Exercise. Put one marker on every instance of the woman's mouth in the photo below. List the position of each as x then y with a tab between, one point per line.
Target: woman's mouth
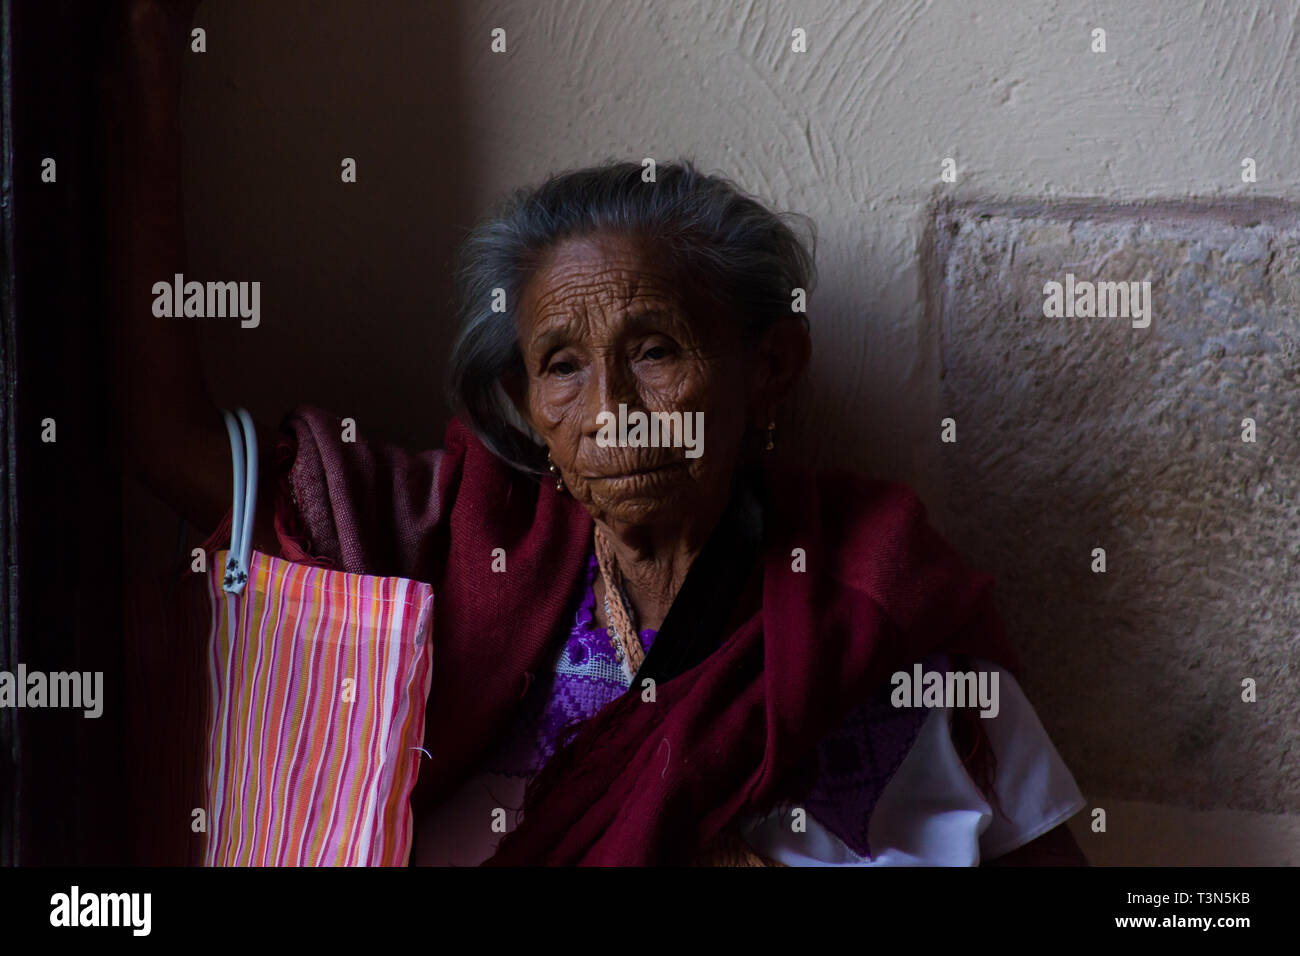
639	472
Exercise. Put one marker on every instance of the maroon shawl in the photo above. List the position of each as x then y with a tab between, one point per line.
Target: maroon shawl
643	782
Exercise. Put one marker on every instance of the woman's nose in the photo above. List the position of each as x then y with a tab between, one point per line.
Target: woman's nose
612	385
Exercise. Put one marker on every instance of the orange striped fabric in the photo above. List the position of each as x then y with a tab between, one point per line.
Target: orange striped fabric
317	681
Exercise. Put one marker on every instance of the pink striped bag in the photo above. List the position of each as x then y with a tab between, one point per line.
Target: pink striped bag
317	681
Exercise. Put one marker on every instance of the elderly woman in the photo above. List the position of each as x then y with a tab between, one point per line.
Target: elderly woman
652	652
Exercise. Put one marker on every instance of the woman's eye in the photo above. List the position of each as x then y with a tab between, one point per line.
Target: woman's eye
655	353
561	368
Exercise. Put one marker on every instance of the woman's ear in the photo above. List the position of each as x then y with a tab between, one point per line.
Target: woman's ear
783	355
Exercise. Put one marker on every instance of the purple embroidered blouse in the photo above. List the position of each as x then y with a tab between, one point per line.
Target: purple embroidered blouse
587	675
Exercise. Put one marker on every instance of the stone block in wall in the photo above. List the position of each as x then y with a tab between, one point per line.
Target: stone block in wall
1086	432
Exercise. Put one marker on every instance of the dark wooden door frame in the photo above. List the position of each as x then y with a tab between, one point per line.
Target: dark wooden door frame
62	775
10	749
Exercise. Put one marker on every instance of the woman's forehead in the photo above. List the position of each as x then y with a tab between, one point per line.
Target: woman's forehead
598	279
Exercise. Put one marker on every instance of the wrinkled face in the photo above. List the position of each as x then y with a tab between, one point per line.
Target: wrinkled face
602	323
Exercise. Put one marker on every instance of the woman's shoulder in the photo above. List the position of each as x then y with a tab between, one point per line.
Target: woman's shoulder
874	539
864	497
858	514
376	507
366	505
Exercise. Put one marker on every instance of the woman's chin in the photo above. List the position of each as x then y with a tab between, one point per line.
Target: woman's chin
633	502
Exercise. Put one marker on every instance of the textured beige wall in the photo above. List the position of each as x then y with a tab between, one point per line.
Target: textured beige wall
852	132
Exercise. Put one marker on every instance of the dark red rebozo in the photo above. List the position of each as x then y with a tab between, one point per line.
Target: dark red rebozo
881	589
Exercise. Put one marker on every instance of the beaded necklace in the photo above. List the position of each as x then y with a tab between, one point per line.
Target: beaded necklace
620	618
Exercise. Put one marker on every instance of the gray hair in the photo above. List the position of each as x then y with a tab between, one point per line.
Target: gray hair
723	242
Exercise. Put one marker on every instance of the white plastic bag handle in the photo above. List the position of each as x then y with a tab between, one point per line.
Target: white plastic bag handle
244	456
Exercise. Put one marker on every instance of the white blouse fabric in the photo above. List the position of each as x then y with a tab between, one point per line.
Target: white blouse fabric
931	813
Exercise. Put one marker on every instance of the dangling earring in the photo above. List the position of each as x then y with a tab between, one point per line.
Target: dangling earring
559	481
771	435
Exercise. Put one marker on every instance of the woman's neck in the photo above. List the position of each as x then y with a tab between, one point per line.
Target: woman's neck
651	584
653	564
